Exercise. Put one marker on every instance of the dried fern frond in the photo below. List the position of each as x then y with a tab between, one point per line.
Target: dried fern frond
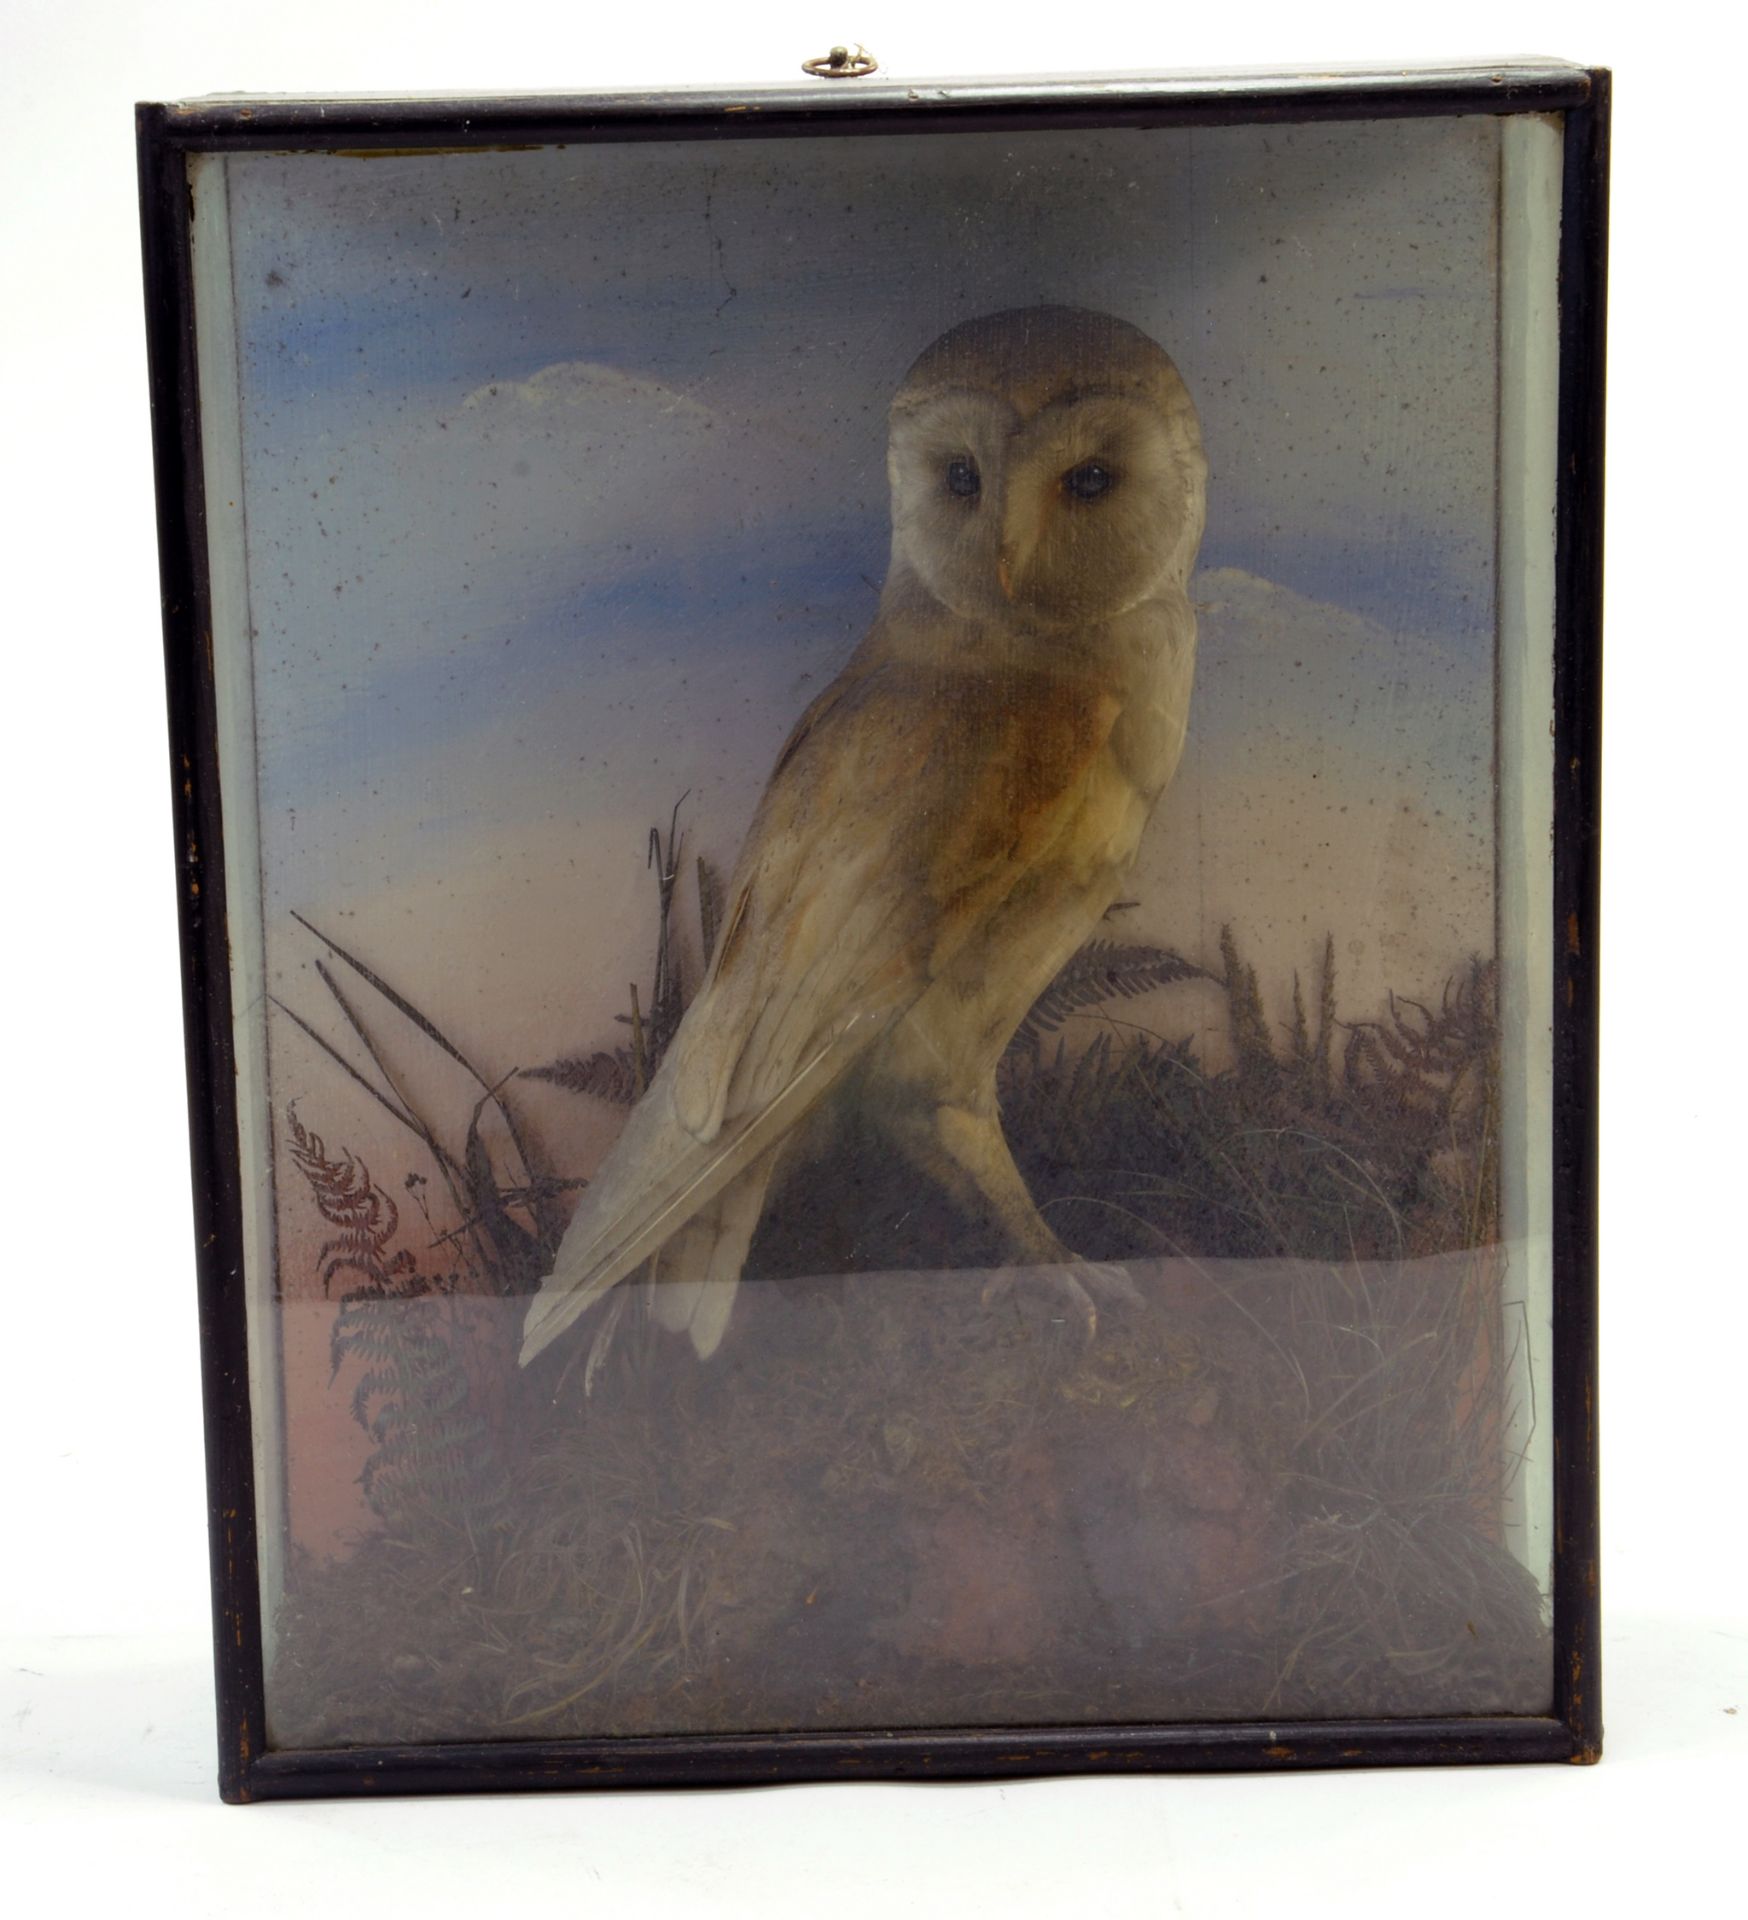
1418	1059
367	1219
710	898
1326	1016
1103	970
667	994
1251	1043
434	1461
604	1076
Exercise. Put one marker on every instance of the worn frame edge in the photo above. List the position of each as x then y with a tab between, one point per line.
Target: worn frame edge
208	1031
1578	656
365	124
743	1760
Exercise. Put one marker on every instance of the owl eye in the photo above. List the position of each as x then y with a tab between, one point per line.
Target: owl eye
1088	480
963	479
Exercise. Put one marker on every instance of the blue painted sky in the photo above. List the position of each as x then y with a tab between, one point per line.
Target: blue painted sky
565	487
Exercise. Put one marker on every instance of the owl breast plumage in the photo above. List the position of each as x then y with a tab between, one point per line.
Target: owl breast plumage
948	821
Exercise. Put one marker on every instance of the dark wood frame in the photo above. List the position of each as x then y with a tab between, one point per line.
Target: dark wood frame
168	135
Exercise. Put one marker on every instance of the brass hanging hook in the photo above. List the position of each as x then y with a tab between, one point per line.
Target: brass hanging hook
841	64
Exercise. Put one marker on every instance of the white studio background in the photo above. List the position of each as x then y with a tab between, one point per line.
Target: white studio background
105	1716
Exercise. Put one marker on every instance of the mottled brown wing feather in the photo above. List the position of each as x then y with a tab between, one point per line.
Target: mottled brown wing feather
904	808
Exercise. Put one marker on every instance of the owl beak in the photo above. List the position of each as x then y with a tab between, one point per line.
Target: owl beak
1016	556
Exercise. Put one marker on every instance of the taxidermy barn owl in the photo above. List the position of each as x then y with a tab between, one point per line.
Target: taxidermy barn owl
948	822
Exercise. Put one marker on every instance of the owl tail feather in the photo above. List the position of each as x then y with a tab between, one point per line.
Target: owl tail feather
659	1179
695	1275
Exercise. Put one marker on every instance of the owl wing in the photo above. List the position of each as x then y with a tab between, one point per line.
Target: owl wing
902	810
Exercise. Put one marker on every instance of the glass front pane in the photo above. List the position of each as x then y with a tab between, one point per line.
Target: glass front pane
915	770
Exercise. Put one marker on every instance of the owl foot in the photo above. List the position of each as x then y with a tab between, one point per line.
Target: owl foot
1084	1282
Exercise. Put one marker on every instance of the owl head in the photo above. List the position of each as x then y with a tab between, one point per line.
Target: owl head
1045	462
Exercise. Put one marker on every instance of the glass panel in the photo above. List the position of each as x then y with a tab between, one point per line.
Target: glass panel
1043	1161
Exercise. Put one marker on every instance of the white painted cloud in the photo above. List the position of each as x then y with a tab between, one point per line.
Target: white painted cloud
588	386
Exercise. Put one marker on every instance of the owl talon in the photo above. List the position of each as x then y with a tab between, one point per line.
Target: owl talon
1080	1281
